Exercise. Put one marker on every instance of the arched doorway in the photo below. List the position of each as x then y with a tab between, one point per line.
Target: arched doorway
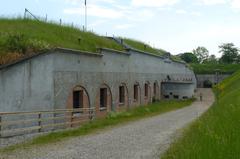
147	93
79	101
136	94
122	97
155	92
103	101
207	84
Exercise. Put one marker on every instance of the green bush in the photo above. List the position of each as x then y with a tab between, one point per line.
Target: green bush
21	43
16	43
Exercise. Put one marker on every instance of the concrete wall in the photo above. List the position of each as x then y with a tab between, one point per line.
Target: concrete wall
47	81
27	85
114	69
210	77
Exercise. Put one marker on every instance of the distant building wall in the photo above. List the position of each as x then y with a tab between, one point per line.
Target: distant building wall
213	78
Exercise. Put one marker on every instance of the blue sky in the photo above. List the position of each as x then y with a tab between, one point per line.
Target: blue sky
174	25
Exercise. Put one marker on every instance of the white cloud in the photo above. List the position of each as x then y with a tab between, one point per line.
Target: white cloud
196	13
235	4
153	3
97	23
78	2
212	2
95	10
181	11
124	26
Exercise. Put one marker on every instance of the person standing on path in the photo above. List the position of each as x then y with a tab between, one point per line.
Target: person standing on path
201	96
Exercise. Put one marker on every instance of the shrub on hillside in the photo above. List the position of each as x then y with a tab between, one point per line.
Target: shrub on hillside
23	44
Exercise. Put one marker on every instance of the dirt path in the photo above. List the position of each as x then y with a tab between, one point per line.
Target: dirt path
146	138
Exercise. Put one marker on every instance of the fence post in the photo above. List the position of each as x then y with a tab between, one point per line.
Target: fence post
40	122
71	125
0	126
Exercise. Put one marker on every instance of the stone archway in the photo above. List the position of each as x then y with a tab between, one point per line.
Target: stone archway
156	91
147	93
123	102
136	94
103	101
79	101
207	84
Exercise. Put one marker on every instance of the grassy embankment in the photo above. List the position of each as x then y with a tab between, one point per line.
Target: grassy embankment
112	119
19	37
22	37
147	48
216	135
211	68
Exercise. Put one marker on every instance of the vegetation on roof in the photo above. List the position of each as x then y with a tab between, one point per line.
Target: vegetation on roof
141	46
212	68
20	37
216	133
24	37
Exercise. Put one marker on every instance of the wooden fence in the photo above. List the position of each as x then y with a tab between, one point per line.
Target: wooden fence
20	123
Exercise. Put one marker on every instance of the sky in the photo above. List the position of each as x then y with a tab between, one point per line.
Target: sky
174	25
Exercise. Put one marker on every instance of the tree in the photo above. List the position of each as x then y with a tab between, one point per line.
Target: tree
189	57
201	53
211	60
229	53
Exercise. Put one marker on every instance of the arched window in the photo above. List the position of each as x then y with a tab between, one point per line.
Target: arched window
136	93
146	90
80	98
123	95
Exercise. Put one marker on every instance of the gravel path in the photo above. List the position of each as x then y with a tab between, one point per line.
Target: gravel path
143	139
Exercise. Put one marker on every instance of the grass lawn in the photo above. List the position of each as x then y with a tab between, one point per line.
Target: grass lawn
112	119
211	68
216	135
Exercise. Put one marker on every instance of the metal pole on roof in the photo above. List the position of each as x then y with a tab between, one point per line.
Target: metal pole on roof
86	15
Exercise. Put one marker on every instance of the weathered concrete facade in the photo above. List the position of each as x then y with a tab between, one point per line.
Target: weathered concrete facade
47	81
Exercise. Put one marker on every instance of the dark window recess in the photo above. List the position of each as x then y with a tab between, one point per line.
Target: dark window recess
176	96
78	99
155	89
135	92
166	96
146	90
168	78
185	97
171	93
103	97
121	94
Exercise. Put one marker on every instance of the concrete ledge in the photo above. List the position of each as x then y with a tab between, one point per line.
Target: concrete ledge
114	51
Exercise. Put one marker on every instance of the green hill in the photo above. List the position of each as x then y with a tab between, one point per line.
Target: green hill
19	37
147	48
23	37
211	68
216	134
